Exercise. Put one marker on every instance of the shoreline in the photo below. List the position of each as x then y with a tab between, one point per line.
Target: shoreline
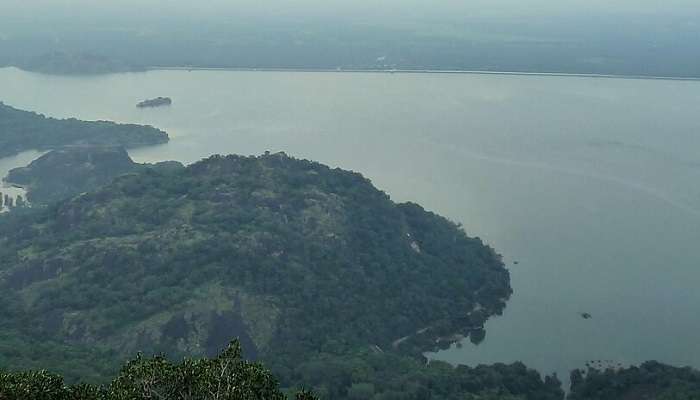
372	70
423	71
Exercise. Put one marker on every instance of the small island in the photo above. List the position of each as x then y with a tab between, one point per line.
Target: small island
157	102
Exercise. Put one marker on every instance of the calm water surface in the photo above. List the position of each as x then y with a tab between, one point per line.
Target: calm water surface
6	164
591	184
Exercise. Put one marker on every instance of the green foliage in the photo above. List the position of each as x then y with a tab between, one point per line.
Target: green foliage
368	375
376	375
319	274
23	130
225	377
71	170
649	381
33	385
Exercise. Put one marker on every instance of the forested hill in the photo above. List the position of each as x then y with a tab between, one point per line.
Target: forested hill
71	170
24	130
317	272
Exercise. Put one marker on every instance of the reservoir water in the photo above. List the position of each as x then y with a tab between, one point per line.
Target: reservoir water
590	184
6	164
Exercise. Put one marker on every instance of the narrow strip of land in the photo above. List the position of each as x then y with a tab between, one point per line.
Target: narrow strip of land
423	71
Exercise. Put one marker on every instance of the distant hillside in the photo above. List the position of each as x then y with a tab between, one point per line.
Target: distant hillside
318	273
65	63
24	130
71	170
629	43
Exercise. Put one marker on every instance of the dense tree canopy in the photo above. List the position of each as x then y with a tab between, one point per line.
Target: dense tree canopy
24	130
649	381
224	377
312	268
71	170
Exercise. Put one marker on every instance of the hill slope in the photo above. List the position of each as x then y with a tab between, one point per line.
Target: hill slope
71	170
300	261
